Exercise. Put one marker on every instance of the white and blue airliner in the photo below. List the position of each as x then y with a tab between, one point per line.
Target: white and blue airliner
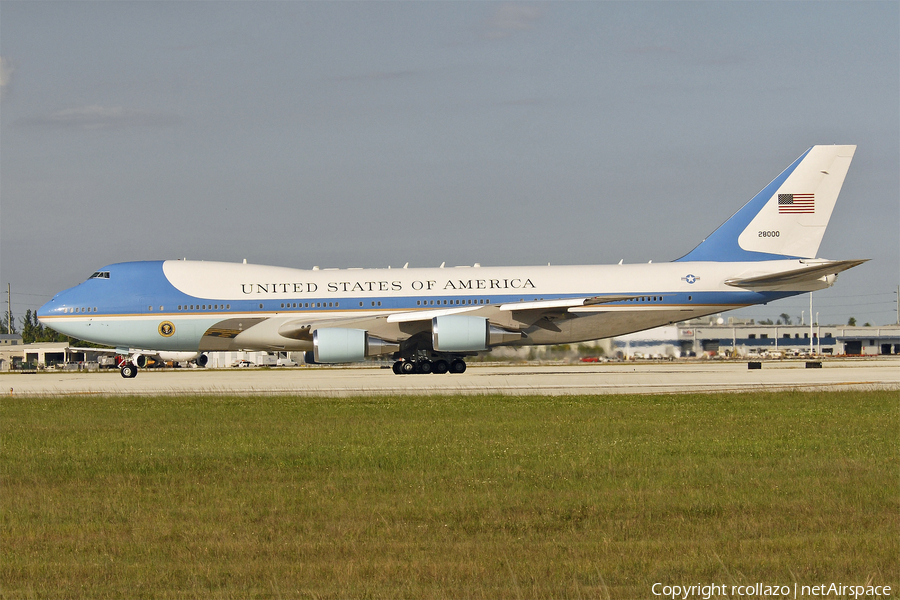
430	320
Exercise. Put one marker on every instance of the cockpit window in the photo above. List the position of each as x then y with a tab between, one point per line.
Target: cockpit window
100	275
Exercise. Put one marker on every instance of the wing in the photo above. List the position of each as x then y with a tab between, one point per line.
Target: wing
97	350
296	332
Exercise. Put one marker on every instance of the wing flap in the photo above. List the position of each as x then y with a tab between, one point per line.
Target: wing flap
579	310
562	303
428	314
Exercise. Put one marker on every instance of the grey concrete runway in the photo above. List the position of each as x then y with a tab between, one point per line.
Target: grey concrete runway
612	378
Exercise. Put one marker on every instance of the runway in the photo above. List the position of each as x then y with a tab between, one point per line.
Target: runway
575	379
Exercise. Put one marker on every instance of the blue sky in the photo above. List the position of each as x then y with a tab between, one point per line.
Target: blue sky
373	134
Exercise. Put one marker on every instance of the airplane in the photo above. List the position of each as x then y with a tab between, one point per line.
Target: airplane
429	320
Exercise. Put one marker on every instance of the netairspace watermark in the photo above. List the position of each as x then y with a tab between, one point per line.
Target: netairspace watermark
710	590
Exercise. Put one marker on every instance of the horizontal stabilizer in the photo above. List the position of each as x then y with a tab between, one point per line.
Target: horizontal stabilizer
795	276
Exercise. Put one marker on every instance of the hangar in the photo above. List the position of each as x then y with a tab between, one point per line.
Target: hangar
15	355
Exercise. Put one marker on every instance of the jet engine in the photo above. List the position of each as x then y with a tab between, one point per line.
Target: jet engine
337	345
176	357
461	333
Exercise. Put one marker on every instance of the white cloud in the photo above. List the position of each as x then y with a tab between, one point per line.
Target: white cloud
509	18
6	71
103	117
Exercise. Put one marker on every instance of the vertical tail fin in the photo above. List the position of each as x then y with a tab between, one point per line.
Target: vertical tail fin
787	219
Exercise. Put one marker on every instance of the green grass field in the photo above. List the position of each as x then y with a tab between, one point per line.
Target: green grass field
445	497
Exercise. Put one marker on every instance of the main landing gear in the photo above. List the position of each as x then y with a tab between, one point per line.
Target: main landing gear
127	368
425	365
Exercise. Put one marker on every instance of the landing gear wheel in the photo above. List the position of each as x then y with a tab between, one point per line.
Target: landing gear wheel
440	367
407	367
396	367
458	366
128	371
423	367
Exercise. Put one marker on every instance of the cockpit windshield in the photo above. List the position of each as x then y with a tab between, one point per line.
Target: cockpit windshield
100	275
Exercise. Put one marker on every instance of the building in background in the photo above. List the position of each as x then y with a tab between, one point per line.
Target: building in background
714	336
738	338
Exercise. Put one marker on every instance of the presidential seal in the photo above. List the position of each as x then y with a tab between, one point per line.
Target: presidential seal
166	329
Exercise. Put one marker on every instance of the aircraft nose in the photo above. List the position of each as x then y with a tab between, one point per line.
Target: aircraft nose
46	309
55	306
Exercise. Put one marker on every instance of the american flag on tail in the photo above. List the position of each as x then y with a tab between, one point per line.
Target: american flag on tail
796	204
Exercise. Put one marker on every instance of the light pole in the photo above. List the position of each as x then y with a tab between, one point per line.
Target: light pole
818	333
811	341
898	304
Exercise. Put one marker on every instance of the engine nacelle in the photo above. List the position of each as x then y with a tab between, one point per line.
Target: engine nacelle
338	345
461	333
177	357
140	361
